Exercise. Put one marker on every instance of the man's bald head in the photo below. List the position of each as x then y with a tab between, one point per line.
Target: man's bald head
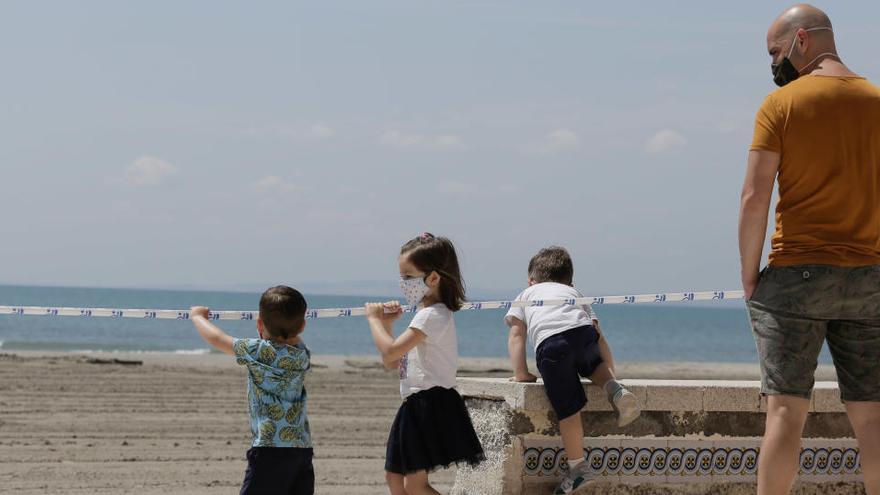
796	26
801	15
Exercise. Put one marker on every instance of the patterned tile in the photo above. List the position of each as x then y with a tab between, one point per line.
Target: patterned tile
643	460
601	454
652	460
828	460
735	460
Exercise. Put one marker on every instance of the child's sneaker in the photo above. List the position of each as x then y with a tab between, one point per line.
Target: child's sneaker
625	406
574	478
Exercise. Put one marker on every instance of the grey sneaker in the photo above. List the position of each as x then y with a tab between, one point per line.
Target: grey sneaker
625	406
574	478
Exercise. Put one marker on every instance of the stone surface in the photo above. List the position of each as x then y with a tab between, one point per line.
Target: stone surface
518	430
732	396
826	398
653	395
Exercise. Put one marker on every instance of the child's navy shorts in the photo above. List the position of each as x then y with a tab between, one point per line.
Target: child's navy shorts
562	360
278	470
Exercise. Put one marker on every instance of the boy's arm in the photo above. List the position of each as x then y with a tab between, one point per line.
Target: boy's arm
516	346
604	348
209	331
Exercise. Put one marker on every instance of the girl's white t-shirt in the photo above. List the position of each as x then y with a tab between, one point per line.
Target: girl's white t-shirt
434	362
546	321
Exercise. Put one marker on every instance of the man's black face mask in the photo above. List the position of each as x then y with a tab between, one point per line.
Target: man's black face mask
784	72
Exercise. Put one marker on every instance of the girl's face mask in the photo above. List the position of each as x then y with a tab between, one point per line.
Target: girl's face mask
414	289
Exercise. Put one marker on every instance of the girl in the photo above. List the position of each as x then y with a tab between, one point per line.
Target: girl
432	428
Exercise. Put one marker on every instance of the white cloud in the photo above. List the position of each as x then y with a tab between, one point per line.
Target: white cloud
561	140
665	140
727	126
149	171
555	141
319	132
274	183
397	139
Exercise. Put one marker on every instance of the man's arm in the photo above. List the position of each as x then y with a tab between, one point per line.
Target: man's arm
754	207
210	332
516	347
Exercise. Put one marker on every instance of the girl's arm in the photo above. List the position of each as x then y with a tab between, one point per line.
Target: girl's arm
209	331
516	347
391	349
391	365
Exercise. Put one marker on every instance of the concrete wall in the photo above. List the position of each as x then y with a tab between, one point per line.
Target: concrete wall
691	433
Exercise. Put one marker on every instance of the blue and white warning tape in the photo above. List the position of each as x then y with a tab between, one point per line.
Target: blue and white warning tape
180	314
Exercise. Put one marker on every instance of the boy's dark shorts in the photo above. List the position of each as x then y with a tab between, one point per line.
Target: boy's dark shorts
279	470
562	360
796	308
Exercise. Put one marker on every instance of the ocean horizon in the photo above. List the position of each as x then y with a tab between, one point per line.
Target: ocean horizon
689	332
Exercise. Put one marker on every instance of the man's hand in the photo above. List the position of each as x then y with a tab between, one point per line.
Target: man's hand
750	283
202	311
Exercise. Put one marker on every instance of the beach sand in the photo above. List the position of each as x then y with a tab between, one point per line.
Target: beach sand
169	423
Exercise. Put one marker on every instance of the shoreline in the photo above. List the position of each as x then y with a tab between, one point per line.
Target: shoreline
468	366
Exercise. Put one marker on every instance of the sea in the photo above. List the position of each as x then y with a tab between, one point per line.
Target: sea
686	332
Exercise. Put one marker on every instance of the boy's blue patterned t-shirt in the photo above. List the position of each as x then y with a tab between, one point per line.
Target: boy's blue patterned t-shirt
276	392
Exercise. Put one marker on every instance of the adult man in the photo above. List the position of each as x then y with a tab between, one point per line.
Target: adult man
819	135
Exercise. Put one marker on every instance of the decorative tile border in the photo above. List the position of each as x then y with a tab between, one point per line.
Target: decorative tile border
684	460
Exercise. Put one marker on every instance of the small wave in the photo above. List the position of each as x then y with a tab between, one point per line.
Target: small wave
192	351
189	352
92	347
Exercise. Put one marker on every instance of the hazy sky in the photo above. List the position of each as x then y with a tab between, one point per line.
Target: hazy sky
222	145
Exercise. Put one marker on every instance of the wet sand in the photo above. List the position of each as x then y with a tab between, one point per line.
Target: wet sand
168	423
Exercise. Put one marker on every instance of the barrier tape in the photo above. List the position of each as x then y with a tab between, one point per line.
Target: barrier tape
179	314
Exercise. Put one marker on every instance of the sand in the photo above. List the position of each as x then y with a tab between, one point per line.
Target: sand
85	424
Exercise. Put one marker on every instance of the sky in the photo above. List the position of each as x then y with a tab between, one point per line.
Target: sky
234	145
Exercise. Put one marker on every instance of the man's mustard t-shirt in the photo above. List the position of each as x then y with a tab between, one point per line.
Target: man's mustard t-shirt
827	131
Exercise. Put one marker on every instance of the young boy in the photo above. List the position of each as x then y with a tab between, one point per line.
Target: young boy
568	345
280	458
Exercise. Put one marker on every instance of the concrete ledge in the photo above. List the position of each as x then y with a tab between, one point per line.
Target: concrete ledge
691	433
653	395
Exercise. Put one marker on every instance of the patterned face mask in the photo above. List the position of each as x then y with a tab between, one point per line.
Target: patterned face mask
414	289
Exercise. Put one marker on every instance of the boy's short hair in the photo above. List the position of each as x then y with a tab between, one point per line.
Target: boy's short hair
552	264
283	311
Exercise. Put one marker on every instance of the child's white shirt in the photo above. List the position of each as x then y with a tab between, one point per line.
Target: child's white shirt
546	321
434	362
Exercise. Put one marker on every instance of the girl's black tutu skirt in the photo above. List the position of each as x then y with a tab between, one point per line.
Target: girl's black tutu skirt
432	430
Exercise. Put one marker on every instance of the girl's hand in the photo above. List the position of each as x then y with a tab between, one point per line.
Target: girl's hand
202	311
387	311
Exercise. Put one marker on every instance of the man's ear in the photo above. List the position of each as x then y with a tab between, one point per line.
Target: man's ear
260	327
532	281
